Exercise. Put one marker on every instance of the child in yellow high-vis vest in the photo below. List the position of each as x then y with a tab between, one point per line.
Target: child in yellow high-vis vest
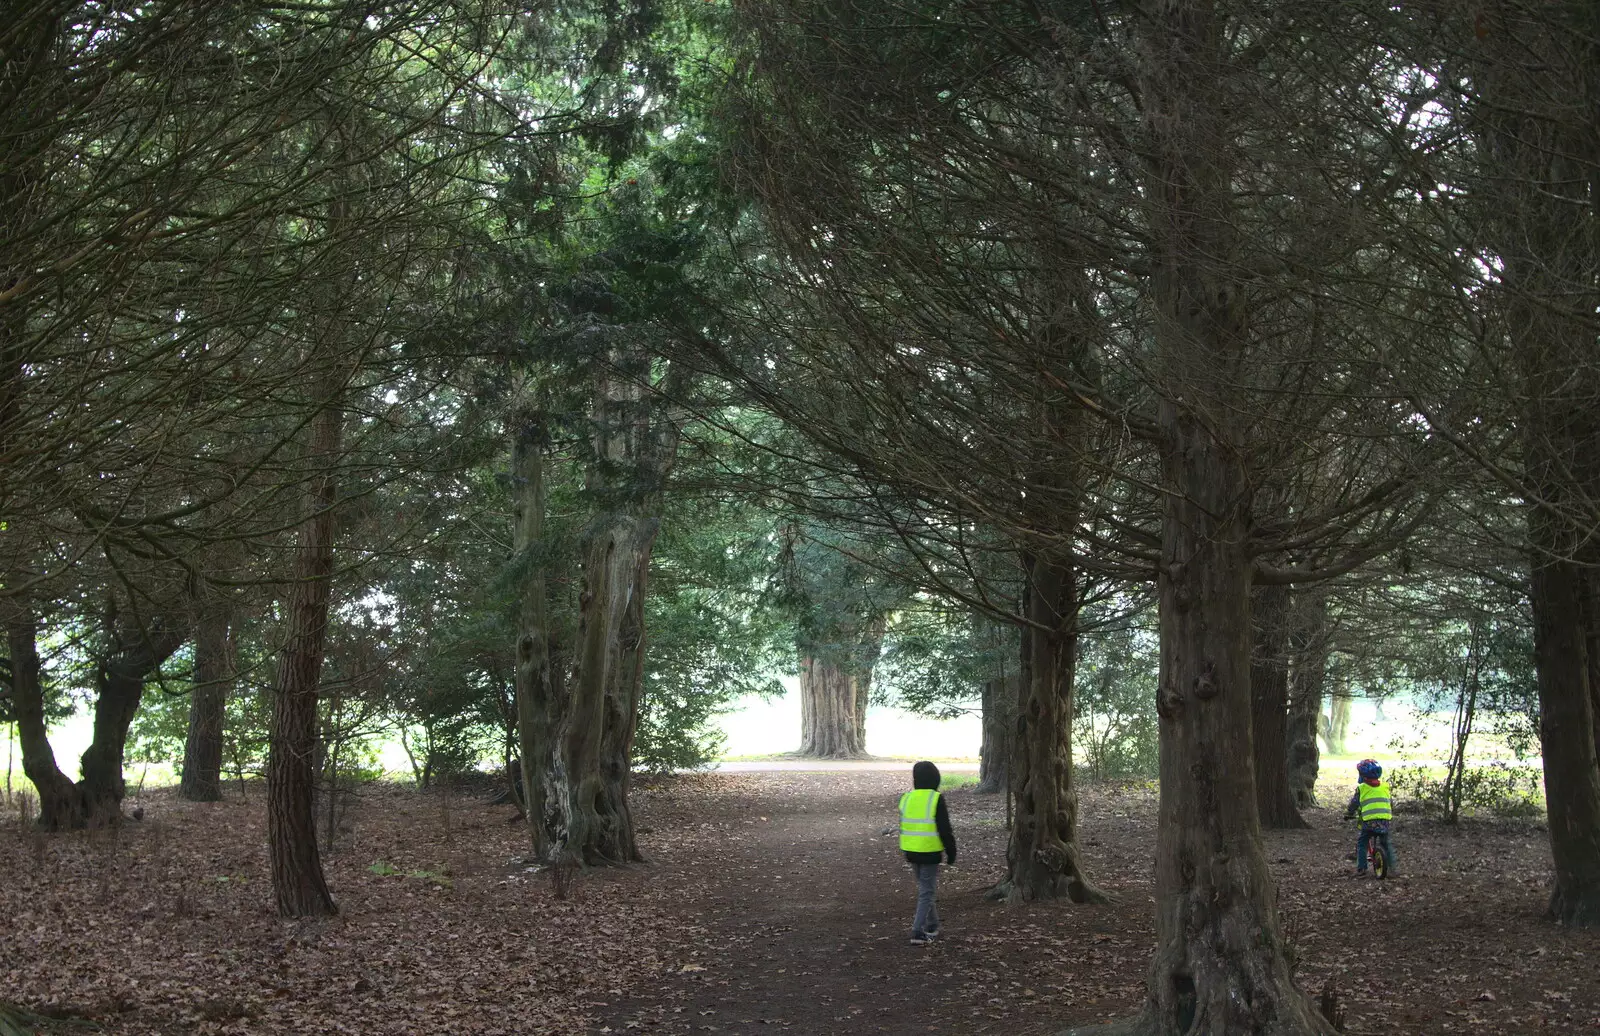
925	837
1374	804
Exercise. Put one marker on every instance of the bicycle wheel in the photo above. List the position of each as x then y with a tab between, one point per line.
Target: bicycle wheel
1380	866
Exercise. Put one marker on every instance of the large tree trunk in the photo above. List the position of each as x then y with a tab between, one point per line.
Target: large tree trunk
596	832
828	709
60	805
1269	706
140	651
1042	858
208	705
96	799
538	683
1534	86
1220	968
1566	737
297	880
635	448
1308	646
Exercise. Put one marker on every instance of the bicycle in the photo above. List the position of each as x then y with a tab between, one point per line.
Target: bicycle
1376	861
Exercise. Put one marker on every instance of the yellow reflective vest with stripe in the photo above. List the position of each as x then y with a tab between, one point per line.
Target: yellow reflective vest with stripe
1375	804
918	831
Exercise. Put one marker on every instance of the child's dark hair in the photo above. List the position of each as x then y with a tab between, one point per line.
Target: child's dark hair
925	775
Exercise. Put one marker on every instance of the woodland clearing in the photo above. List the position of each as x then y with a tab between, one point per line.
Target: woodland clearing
772	902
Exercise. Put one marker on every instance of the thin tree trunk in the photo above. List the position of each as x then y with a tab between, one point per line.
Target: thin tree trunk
623	696
208	706
999	705
537	682
1591	625
1269	712
1307	672
1000	698
866	660
1042	857
297	880
1338	720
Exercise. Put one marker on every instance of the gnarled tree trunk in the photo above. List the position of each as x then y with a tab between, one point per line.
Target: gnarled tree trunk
60	805
297	880
1042	858
1269	711
96	799
828	713
637	442
626	685
208	705
593	833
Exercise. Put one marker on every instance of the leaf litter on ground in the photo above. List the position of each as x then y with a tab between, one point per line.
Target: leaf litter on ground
772	902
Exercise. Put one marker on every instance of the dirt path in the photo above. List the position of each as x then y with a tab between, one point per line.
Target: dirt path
799	907
772	903
794	916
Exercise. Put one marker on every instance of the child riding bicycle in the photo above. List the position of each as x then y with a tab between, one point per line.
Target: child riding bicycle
1372	803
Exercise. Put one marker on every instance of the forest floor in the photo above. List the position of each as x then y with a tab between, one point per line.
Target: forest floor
772	903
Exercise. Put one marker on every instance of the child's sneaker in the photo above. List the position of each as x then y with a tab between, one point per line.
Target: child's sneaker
1360	873
933	933
919	939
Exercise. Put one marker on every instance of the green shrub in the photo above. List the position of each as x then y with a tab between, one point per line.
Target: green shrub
1498	789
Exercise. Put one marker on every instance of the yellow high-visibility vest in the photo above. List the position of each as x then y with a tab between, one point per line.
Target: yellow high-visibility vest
1375	804
918	832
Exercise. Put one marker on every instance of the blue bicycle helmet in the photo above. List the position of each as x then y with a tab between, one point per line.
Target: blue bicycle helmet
1369	770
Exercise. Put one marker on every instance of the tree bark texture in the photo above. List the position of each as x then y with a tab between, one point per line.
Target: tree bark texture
1000	698
1308	645
1042	857
539	689
60	805
1571	779
298	884
208	705
1220	967
828	709
635	448
625	689
1269	706
1537	82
